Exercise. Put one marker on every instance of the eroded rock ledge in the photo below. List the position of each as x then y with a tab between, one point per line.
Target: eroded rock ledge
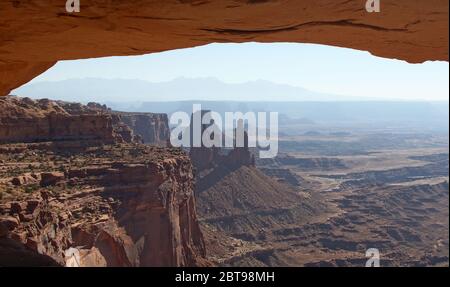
74	192
28	120
113	205
36	34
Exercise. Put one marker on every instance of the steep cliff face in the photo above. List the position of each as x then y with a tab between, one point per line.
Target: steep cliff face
78	195
148	128
409	30
122	205
121	131
26	120
208	158
152	128
204	158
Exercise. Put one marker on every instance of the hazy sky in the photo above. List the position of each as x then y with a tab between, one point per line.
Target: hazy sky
314	67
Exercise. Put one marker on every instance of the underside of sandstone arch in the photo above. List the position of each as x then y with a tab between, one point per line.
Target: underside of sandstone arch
35	34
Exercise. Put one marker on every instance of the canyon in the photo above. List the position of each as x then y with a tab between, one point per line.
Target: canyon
111	202
96	196
310	208
297	214
82	185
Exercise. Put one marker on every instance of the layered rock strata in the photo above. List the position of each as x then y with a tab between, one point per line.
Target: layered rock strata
73	192
152	128
121	205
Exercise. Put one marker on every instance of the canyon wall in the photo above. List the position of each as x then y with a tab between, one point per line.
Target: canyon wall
27	120
414	31
79	195
152	128
105	214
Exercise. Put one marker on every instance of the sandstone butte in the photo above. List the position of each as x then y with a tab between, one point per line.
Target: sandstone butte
35	34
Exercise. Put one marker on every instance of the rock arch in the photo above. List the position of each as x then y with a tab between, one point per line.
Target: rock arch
35	34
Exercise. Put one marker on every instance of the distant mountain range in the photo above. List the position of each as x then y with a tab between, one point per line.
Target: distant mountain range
203	89
294	104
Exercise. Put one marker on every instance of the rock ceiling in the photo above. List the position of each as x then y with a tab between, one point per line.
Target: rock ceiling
35	34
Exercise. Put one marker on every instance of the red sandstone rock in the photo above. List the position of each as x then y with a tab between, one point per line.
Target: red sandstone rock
51	178
206	158
112	205
25	179
152	128
9	222
138	211
26	120
414	31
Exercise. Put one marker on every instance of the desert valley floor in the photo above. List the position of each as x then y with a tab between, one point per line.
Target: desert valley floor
393	200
